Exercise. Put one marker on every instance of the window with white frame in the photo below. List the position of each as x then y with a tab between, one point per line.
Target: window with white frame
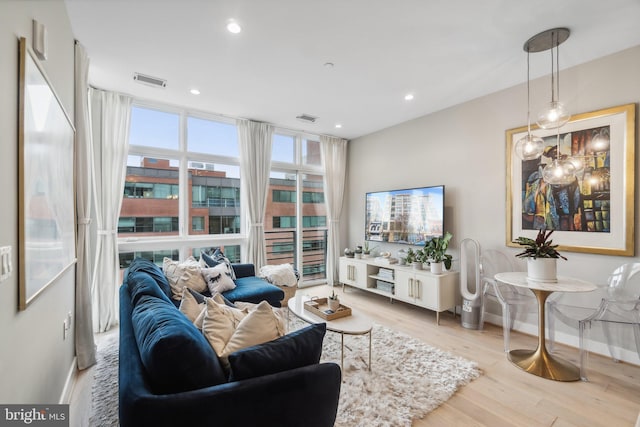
182	186
295	219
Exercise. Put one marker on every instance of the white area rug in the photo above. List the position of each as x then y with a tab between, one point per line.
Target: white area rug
408	379
104	391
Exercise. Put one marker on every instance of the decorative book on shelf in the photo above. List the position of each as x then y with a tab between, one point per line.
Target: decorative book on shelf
385	273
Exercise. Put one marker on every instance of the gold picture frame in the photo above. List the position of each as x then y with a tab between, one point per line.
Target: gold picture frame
46	196
596	212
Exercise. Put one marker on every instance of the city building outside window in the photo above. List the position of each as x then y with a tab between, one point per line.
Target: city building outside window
182	193
295	220
182	183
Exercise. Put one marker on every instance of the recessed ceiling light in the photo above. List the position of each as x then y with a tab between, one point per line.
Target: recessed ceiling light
338	126
234	27
408	97
195	91
329	65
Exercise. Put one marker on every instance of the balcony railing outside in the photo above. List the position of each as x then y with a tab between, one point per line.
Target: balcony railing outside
281	249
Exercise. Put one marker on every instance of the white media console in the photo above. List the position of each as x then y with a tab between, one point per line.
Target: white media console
437	292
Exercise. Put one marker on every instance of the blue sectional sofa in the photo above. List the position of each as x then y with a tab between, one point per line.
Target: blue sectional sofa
250	288
170	376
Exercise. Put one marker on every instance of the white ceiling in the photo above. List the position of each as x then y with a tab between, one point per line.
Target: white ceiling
445	52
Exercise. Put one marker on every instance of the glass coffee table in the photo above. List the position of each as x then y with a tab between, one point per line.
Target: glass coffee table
355	324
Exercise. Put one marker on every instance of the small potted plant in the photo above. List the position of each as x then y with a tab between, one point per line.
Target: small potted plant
333	301
366	250
541	255
436	251
413	260
422	256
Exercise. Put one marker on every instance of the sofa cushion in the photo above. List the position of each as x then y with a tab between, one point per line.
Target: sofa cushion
181	274
218	278
220	322
259	326
190	307
254	289
229	330
141	283
297	349
146	266
244	270
217	258
175	354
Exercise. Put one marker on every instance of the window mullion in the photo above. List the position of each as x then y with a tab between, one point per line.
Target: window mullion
183	208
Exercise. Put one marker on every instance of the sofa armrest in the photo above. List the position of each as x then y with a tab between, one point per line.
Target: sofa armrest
244	270
304	396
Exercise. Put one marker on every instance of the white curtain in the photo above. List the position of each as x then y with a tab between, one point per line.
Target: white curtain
334	157
255	164
85	346
111	145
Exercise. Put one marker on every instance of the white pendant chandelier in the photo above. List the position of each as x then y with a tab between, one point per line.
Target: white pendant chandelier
530	146
562	169
554	115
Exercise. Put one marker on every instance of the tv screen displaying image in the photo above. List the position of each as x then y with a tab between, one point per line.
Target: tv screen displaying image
412	216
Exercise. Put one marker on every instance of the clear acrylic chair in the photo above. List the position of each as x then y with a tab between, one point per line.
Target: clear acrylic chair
512	299
621	306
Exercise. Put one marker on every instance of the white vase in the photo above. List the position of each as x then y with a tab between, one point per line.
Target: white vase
416	265
333	304
542	269
436	267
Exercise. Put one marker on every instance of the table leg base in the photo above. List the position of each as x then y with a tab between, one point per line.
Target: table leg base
544	365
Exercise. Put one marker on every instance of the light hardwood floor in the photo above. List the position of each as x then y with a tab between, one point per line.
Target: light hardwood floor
503	395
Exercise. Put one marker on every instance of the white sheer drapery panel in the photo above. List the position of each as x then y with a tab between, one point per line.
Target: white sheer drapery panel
255	163
109	169
85	345
334	158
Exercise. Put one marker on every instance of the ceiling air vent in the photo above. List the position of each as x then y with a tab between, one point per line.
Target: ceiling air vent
149	81
307	118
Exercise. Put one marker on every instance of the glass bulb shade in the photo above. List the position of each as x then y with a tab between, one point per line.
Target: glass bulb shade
529	147
578	163
600	143
559	172
553	116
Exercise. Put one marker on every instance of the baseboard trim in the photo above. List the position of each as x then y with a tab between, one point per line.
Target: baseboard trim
596	347
65	397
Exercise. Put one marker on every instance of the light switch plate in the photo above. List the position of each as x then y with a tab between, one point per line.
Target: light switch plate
6	266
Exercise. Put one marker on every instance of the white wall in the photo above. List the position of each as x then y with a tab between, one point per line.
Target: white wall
463	148
34	359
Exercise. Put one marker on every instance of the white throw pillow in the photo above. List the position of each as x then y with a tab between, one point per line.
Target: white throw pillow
259	326
218	278
279	275
181	274
220	323
190	307
279	313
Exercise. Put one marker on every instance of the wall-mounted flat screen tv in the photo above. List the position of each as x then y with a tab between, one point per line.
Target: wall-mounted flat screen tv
412	216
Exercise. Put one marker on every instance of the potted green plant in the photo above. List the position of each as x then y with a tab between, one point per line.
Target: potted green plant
541	255
333	301
422	256
412	259
436	249
366	250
